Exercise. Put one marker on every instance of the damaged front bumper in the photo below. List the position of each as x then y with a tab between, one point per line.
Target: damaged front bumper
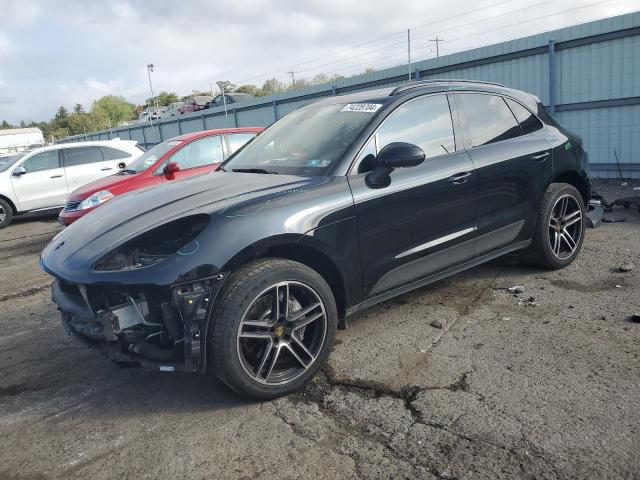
149	326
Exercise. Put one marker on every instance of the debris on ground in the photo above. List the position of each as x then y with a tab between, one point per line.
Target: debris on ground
626	267
436	324
613	218
595	214
516	289
635	318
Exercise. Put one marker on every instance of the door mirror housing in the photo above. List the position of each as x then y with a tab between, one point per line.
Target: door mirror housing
171	169
392	156
19	172
122	165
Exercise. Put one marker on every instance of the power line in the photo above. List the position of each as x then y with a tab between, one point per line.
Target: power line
469	12
474	34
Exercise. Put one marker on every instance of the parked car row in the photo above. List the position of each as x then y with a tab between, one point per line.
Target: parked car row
245	273
192	104
78	177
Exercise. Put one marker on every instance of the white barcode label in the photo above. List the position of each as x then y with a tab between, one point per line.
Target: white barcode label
361	107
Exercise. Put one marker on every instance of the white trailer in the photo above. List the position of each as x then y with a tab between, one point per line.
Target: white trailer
16	140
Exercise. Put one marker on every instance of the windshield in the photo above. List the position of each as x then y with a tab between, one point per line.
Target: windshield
306	142
151	156
6	162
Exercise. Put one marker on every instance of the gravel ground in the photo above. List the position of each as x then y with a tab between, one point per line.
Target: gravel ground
544	384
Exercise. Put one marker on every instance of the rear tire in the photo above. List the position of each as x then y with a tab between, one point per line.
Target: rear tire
6	213
274	324
559	230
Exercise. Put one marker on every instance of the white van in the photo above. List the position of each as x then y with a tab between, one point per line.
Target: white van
41	178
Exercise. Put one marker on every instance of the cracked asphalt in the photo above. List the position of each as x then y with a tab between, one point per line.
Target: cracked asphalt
544	384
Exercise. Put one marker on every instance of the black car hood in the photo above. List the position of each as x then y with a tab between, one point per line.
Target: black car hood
127	216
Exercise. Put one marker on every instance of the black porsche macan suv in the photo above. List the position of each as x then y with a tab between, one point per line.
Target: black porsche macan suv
247	272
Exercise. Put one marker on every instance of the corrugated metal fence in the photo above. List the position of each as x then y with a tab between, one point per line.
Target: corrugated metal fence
589	75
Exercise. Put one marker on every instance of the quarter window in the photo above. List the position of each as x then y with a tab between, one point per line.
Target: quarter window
489	119
82	156
237	140
425	122
113	153
42	161
205	151
528	121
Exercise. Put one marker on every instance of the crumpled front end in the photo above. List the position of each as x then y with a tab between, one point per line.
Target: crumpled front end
147	326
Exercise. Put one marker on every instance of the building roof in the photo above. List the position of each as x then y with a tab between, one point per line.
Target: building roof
14	131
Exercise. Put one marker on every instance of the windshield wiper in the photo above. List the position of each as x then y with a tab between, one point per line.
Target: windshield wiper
254	170
128	170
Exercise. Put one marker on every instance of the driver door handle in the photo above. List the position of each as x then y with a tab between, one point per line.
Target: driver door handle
56	176
105	169
540	157
459	178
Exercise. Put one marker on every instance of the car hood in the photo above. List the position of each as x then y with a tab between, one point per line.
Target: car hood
113	183
127	216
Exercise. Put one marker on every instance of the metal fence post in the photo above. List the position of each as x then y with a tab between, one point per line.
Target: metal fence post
129	132
275	111
235	117
552	75
417	74
333	90
144	138
179	127
204	125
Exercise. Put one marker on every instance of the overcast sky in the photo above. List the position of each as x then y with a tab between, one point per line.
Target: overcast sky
62	52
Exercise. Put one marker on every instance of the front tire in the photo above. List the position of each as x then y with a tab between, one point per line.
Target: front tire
6	213
274	324
559	230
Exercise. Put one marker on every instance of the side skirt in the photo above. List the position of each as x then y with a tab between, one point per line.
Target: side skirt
435	277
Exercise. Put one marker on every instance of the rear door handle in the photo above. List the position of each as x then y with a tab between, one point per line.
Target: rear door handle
105	169
459	178
56	176
540	157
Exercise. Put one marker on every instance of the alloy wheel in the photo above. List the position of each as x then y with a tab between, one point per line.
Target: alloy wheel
565	226
282	333
3	214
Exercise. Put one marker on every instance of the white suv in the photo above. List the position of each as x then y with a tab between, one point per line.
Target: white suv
41	179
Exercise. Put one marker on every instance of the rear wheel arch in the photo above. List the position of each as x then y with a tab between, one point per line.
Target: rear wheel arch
574	178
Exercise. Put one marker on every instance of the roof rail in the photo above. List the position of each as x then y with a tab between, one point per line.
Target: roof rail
419	83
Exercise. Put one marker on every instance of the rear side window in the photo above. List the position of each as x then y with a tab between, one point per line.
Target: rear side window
205	151
528	121
425	122
489	119
42	161
81	156
114	154
237	140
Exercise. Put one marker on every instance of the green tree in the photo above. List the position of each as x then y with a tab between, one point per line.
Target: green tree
299	83
369	70
78	108
248	88
164	99
319	79
227	86
271	86
6	125
114	109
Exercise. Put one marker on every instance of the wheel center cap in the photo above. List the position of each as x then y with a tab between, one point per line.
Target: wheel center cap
279	331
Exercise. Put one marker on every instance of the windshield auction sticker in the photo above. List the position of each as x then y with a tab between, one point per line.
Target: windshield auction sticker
361	107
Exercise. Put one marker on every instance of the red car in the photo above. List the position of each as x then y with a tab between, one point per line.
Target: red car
180	157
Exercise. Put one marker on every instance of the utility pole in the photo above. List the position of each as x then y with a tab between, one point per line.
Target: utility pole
409	51
293	79
153	99
224	101
437	42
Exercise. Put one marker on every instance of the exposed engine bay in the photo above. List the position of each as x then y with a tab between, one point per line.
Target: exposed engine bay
140	326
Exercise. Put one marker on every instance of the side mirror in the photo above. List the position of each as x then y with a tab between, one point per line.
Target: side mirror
122	165
394	155
171	169
19	172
